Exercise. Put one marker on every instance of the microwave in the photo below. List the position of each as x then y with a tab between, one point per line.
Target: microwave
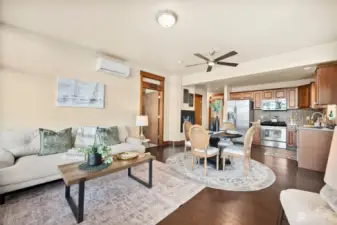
274	104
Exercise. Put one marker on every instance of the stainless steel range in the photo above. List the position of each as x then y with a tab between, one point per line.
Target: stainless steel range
274	134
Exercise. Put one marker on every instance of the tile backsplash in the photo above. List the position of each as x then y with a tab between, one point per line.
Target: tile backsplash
298	114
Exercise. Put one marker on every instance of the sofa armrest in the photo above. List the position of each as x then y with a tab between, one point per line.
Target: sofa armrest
7	159
133	141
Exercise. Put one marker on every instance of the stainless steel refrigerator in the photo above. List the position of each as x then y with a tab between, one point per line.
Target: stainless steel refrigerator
241	114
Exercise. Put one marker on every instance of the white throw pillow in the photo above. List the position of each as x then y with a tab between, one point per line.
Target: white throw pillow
6	158
21	143
85	136
123	133
329	195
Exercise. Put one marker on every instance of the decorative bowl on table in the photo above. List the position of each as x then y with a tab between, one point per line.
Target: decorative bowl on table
127	155
232	132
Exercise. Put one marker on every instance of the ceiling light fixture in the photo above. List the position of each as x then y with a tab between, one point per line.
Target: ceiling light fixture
307	68
210	63
166	18
180	62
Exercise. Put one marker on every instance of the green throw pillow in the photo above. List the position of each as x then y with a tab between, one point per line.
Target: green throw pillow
107	136
55	142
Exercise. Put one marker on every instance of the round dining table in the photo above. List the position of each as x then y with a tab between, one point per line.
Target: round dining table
214	140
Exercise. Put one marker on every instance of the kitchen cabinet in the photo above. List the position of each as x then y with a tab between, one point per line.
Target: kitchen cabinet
292	98
326	83
313	97
280	93
257	137
235	96
248	96
313	148
269	94
291	138
304	96
257	99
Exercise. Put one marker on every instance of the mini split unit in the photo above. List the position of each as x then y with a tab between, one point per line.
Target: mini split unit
112	67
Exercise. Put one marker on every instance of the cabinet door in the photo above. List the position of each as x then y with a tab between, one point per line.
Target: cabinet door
235	96
304	96
292	98
248	95
268	94
326	85
257	99
313	97
257	137
280	93
291	138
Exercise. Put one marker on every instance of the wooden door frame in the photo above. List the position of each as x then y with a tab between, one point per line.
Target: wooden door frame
161	91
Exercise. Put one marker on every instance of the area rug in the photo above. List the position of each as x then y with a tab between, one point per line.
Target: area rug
232	179
282	153
113	199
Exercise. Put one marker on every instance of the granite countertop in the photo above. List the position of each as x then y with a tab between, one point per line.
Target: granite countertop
315	129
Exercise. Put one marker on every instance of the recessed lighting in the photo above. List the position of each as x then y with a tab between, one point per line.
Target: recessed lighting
166	18
180	62
211	63
307	68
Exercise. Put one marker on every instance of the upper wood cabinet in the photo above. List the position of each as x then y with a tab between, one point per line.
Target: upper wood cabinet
304	96
257	99
292	98
235	95
326	84
280	93
269	94
248	95
313	96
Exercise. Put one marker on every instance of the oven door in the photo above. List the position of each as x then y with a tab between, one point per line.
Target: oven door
274	133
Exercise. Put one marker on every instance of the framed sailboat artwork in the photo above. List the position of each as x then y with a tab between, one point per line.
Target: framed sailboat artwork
75	93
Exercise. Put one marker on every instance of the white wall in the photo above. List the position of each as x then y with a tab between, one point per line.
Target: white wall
285	84
30	65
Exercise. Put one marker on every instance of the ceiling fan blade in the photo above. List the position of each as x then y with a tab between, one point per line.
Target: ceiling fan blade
197	64
201	56
227	64
229	54
209	68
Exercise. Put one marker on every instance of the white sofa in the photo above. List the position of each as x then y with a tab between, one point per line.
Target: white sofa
21	167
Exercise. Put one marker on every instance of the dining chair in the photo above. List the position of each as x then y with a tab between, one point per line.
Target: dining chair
187	126
241	151
225	142
200	146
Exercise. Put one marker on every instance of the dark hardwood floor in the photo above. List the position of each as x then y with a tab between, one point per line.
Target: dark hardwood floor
218	207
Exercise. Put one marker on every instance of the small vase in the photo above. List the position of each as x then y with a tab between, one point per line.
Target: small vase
94	159
217	123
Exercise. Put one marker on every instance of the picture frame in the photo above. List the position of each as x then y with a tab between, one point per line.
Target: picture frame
186	96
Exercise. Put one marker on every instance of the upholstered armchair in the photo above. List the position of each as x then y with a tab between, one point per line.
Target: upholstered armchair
307	208
225	142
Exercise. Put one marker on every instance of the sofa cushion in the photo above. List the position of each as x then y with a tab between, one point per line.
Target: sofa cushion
6	158
33	167
306	208
85	136
329	195
107	136
53	142
123	133
20	142
125	147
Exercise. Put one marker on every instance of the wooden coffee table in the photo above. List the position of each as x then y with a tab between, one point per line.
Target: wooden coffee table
71	174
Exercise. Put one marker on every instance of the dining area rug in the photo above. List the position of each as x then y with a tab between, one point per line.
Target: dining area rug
112	199
231	179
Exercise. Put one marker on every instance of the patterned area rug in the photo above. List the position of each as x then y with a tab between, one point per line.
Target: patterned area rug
282	153
232	179
113	199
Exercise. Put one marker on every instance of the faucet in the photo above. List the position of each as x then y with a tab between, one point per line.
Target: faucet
312	117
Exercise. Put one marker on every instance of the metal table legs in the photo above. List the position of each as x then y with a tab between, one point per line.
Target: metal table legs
79	209
149	184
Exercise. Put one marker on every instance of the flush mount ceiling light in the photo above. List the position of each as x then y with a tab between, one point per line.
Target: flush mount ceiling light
166	18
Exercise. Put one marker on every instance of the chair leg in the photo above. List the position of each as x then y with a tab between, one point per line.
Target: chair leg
250	162
192	161
223	163
205	166
2	199
217	161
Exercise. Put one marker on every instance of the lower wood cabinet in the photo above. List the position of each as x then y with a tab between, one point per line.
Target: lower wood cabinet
292	138
257	137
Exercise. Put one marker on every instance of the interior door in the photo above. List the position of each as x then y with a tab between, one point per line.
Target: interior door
151	109
198	109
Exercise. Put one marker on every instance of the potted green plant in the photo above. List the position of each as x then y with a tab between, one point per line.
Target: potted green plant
97	154
216	107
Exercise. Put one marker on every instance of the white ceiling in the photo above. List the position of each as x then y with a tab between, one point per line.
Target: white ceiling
128	29
292	74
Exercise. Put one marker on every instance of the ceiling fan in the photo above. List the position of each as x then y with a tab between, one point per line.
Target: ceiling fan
212	62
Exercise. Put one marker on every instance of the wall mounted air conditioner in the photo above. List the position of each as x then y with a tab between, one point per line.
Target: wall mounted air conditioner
112	67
